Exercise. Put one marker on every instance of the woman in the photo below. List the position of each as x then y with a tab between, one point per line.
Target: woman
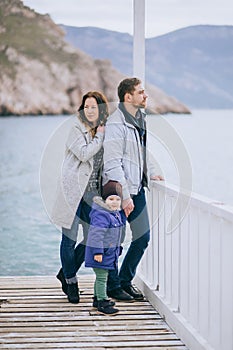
80	182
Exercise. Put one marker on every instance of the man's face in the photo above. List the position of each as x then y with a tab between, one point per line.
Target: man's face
139	97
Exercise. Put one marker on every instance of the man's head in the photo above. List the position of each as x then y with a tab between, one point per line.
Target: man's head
131	92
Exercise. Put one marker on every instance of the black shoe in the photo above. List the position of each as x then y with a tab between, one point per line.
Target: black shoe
120	294
62	279
73	293
95	302
134	292
105	308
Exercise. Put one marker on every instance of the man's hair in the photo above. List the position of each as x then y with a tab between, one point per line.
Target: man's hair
127	86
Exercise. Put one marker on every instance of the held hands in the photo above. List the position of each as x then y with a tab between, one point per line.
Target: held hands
98	258
128	206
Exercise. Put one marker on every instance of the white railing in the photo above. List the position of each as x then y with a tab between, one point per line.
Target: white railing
187	274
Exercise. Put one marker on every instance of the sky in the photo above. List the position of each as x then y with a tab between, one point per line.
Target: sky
162	16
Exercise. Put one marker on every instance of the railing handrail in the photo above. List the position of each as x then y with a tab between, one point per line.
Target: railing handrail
216	207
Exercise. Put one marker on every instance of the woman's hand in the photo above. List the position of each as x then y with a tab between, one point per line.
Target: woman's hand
98	258
101	128
157	178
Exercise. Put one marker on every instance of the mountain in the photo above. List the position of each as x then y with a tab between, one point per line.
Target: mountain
103	44
193	64
43	74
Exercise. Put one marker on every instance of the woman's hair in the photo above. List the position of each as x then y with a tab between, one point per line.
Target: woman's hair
102	105
127	86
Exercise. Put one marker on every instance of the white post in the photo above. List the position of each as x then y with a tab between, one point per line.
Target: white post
139	40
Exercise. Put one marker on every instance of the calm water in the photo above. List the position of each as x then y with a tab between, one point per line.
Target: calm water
29	244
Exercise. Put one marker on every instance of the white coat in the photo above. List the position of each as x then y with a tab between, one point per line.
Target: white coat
75	173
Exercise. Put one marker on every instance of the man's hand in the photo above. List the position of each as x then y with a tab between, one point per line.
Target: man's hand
98	258
157	178
127	206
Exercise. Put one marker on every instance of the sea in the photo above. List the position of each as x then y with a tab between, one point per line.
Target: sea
29	243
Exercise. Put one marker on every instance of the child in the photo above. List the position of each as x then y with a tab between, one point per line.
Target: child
103	242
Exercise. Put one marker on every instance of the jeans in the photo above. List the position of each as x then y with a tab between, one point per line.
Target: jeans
140	227
72	256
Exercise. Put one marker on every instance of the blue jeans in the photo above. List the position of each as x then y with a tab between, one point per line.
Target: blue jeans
140	227
72	256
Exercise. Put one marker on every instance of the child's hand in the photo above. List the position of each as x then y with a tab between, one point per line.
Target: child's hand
98	258
128	206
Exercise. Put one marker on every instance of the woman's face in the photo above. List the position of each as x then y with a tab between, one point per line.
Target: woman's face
91	110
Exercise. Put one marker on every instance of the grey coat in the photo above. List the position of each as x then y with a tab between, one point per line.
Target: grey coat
123	157
75	173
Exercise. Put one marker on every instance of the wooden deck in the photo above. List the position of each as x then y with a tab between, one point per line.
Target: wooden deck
35	314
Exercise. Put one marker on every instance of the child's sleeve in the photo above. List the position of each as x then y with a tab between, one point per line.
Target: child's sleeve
98	229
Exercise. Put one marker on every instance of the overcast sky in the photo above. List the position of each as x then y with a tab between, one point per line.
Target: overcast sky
162	16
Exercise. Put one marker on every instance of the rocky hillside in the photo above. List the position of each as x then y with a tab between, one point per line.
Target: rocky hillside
42	74
194	64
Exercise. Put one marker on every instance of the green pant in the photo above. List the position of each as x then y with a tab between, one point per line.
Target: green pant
100	286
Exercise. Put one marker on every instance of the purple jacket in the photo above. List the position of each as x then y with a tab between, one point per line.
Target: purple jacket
104	236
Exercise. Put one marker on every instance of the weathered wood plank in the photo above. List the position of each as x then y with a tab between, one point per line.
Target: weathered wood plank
77	323
83	347
154	328
58	311
94	338
84	332
78	318
62	300
74	345
66	306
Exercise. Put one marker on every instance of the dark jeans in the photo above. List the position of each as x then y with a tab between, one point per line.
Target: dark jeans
140	227
72	256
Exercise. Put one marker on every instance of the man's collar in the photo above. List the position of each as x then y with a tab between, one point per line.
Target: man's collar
138	114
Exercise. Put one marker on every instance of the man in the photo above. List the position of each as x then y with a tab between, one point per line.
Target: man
126	161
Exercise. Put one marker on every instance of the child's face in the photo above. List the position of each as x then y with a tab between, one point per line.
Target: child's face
113	202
